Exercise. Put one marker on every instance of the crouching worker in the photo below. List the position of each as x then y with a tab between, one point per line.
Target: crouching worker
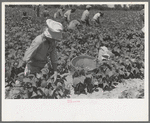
42	47
96	18
74	24
68	14
104	54
59	12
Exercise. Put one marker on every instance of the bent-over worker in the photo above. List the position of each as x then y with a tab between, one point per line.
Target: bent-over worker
74	24
42	48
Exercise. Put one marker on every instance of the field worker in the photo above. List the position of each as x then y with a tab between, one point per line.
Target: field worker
68	14
96	18
46	13
43	48
59	12
25	17
74	24
104	54
142	18
38	11
85	15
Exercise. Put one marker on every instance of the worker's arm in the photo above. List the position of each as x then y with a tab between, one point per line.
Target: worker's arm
31	51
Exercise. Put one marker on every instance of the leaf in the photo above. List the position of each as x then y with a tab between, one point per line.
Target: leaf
45	71
34	84
39	75
61	92
121	72
51	92
21	74
50	80
33	94
40	91
26	80
110	73
46	91
105	84
20	63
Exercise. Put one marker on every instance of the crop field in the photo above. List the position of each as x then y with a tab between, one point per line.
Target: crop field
120	32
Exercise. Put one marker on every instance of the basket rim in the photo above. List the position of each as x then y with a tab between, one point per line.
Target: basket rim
86	56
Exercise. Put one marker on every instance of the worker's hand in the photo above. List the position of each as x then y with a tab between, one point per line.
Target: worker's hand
54	76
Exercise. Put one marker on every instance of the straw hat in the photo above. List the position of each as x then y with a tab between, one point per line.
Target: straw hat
104	48
54	29
88	6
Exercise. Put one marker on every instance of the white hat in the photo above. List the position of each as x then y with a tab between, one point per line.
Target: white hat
88	6
104	48
54	26
54	29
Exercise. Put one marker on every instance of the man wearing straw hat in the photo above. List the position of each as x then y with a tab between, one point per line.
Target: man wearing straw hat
85	16
42	47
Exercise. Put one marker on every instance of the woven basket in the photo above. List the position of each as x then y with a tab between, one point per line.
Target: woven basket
87	66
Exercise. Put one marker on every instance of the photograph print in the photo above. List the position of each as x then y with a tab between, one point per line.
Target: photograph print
74	51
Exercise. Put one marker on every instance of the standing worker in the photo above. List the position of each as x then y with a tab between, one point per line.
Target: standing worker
43	48
85	16
46	13
142	18
68	14
38	11
59	12
96	18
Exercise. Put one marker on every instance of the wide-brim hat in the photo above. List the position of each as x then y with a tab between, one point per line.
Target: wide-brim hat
88	6
55	29
104	48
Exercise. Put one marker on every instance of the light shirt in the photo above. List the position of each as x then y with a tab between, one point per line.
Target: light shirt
96	16
73	24
85	16
58	13
67	14
39	50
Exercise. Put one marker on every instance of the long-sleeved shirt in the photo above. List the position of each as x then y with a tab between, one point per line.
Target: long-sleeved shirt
58	13
67	14
39	50
96	16
85	16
